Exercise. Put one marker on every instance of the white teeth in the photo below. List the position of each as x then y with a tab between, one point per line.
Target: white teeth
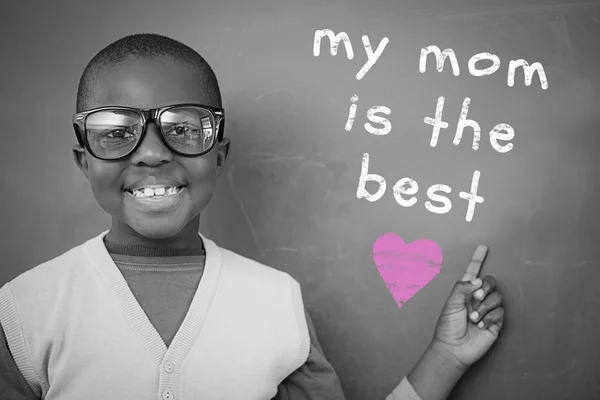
155	192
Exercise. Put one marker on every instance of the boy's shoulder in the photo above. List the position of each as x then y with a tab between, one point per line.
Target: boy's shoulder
242	265
52	270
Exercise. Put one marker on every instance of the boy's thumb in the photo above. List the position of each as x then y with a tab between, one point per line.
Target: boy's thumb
462	290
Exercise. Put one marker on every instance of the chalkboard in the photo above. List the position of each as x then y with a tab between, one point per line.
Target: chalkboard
290	196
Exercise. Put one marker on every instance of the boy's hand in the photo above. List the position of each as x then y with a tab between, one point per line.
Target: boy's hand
462	334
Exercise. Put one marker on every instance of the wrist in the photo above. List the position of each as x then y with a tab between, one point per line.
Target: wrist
447	360
436	373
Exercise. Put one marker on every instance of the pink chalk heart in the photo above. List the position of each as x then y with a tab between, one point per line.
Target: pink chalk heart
406	268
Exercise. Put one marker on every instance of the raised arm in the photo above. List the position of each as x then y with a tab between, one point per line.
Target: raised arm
468	326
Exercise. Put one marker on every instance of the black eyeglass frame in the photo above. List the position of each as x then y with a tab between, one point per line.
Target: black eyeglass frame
146	115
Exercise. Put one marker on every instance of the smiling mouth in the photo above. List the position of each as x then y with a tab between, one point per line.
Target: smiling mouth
155	192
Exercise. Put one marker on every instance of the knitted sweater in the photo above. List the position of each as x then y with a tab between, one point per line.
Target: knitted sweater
76	331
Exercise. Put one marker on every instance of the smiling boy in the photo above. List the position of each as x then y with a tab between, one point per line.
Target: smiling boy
153	309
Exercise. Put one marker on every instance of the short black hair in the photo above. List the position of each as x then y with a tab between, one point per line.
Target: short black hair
145	45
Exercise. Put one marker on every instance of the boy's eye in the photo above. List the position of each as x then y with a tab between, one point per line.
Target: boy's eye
119	134
181	129
113	138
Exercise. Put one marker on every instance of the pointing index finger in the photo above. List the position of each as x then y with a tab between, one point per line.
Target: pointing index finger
474	267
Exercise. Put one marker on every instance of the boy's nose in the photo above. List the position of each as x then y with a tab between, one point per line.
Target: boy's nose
152	151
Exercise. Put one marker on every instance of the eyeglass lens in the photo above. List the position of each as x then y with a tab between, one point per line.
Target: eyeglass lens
114	133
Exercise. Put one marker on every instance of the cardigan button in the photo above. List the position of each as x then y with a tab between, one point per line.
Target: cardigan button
168	394
169	367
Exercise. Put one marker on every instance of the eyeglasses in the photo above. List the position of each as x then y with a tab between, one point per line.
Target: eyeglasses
112	133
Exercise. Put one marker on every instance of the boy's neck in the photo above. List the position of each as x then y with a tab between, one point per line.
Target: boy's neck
187	239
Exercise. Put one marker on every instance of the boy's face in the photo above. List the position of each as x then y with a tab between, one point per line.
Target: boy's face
144	83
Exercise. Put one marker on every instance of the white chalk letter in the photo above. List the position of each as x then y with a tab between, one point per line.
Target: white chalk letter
472	197
437	123
528	70
387	125
484	56
440	59
364	177
464	122
431	192
334	41
372	57
405	186
351	113
495	135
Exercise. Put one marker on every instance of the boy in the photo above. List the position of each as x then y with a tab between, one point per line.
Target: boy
153	309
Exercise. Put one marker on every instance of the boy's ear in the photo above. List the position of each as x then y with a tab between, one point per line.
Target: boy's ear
81	159
222	153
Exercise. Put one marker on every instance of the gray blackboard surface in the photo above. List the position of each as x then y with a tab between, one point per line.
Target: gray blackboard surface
288	197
